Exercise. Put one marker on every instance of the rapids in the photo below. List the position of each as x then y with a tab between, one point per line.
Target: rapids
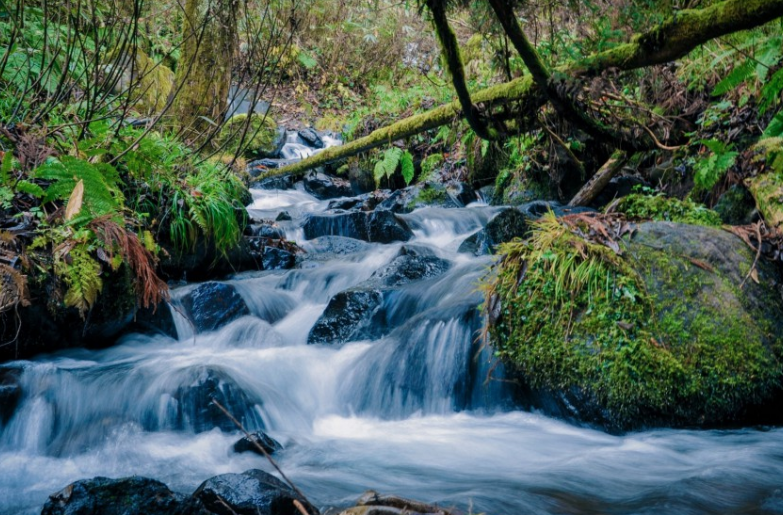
409	411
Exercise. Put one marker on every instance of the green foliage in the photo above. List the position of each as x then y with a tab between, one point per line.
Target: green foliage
709	171
102	194
775	127
661	208
260	133
388	163
81	274
429	165
572	315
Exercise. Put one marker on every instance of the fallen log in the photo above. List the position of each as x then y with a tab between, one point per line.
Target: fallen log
600	179
670	40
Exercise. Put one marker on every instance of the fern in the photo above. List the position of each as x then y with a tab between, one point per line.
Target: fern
737	76
711	170
406	167
102	194
82	275
388	164
5	169
771	92
775	127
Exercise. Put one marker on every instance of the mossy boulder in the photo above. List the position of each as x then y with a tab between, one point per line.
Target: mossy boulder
677	330
767	189
262	137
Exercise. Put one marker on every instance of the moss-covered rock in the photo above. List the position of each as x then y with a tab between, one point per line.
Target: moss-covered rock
767	189
664	209
262	138
676	331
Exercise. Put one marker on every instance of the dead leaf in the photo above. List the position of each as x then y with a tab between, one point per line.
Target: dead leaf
75	202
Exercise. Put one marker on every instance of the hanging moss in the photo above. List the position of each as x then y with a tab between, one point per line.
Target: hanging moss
644	339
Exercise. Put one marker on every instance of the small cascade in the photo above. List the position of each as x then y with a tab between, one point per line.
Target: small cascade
396	392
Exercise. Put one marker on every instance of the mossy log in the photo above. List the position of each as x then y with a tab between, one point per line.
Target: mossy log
599	181
671	40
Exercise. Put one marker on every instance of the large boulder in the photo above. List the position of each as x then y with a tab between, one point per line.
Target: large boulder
104	496
683	329
253	492
212	305
262	138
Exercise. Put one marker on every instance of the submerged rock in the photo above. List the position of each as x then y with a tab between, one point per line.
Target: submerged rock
104	496
212	305
507	225
412	264
195	410
253	492
269	444
682	330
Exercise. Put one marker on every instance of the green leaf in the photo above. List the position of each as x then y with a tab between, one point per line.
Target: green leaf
775	127
737	76
406	167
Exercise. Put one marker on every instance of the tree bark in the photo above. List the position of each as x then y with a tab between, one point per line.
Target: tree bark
209	33
671	40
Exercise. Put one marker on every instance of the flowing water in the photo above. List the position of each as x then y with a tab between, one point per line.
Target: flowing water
406	411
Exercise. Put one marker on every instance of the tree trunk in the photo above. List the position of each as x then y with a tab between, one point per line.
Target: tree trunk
671	40
209	34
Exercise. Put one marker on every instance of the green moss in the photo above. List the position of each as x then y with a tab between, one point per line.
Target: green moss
648	336
664	209
429	165
429	195
148	84
260	137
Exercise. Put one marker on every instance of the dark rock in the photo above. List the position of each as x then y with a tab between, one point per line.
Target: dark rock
487	194
386	227
267	230
274	258
104	496
155	320
278	182
269	444
378	226
253	492
412	264
397	201
345	204
324	187
461	193
212	305
345	316
283	216
276	146
196	411
311	137
505	226
10	392
618	187
737	206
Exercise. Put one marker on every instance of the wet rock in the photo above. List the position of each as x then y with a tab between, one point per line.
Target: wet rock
197	412
397	201
104	496
378	226
736	206
311	137
269	444
283	216
10	392
266	230
412	264
505	226
253	492
273	258
385	227
345	204
324	187
155	320
336	245
212	305
461	193
346	315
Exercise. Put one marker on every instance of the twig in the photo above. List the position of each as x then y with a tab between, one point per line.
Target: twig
758	254
266	454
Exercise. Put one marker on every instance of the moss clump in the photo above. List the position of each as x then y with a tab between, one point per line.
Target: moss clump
642	339
260	138
429	195
429	165
148	84
664	209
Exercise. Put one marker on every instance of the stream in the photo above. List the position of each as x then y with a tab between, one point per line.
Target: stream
407	411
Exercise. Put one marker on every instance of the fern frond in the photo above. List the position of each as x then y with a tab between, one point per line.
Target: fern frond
771	92
775	127
737	76
388	164
82	276
406	167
